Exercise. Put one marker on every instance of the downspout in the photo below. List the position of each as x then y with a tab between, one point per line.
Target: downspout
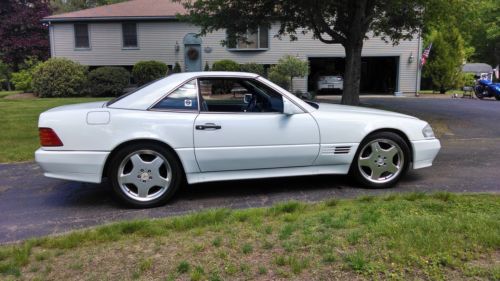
51	40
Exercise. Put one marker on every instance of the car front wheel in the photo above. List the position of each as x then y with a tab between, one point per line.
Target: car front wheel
145	175
381	160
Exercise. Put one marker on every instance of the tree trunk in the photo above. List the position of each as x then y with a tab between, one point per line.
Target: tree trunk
352	75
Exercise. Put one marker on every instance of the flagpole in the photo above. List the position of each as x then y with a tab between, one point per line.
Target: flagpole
419	69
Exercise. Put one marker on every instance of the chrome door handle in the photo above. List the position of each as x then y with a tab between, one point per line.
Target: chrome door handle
208	126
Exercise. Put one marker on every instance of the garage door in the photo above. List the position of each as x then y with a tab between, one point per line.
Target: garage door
378	74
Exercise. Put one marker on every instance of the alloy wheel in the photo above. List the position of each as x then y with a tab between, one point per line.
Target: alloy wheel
380	161
144	175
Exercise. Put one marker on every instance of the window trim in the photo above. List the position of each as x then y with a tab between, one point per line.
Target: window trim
88	36
236	49
137	47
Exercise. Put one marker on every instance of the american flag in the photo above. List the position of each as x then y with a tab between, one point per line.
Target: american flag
425	55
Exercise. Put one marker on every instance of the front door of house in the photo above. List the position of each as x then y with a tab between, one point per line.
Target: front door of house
192	52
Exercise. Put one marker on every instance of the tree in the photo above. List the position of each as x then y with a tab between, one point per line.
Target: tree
291	67
445	60
477	22
344	22
21	32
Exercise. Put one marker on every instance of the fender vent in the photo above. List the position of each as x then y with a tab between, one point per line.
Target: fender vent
342	150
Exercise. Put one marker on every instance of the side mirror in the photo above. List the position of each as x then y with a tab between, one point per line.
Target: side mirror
289	108
247	98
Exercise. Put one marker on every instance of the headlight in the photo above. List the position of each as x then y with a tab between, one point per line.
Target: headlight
427	131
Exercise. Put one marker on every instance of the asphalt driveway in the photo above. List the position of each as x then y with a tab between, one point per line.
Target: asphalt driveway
32	205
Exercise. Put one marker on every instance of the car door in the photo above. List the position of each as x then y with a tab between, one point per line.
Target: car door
231	134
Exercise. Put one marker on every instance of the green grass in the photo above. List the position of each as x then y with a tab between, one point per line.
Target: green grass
19	125
450	92
397	237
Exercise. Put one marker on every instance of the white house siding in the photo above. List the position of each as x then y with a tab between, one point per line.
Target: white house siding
157	42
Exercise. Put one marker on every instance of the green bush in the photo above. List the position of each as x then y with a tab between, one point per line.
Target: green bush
22	79
207	67
253	68
277	77
108	81
177	68
59	77
225	65
291	67
147	71
468	80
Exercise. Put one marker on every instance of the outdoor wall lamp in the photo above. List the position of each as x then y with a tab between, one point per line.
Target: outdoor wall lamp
176	46
411	58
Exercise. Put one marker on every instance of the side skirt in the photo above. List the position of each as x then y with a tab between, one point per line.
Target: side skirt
266	173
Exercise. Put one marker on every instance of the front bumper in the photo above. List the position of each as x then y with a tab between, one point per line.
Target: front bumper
85	166
424	152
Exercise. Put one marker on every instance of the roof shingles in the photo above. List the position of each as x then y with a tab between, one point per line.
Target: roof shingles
129	9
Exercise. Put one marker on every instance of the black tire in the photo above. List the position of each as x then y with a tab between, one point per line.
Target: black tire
478	90
497	97
357	174
176	177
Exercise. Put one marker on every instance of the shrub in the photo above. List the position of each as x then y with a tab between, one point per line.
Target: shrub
225	65
253	68
22	79
147	71
291	67
108	81
278	78
59	77
468	80
207	67
5	75
177	68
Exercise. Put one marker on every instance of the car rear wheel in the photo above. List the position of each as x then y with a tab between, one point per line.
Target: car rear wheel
145	175
381	160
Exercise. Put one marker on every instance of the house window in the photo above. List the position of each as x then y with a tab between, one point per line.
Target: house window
256	39
82	40
129	35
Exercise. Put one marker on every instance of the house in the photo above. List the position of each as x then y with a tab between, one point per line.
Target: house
125	33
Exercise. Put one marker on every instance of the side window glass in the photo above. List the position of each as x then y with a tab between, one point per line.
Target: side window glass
238	95
185	98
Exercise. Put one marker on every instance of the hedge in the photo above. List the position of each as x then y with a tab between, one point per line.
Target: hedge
225	65
108	81
147	71
59	77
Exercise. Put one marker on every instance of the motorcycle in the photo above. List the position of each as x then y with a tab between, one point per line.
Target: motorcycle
486	89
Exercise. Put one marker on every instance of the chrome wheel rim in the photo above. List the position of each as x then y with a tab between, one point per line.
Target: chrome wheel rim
381	161
144	175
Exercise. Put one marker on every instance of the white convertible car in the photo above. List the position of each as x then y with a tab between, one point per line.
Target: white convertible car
214	126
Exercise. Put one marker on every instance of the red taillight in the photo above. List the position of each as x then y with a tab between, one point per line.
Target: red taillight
48	137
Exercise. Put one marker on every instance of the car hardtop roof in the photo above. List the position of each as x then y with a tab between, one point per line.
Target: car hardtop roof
188	75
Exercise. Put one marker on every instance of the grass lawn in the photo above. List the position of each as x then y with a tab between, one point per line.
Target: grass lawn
450	92
19	125
399	237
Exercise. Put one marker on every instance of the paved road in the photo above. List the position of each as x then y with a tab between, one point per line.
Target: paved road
31	205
